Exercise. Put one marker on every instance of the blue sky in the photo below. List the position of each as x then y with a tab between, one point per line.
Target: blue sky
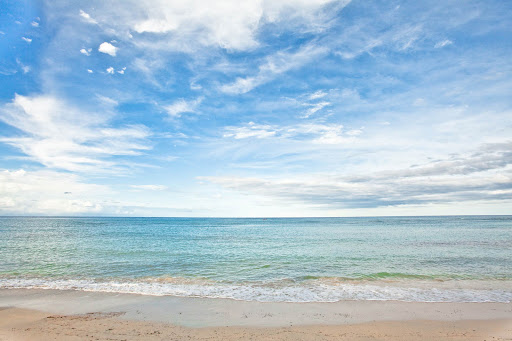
255	108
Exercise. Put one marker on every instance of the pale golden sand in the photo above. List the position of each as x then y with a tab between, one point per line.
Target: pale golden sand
68	315
23	324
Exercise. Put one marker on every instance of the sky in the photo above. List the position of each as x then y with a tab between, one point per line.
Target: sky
255	108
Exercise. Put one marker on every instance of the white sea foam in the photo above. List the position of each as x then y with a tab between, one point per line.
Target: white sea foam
311	291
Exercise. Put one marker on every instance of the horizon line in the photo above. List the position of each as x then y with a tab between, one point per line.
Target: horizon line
302	217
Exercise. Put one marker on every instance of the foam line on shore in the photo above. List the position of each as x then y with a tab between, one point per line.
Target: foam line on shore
308	291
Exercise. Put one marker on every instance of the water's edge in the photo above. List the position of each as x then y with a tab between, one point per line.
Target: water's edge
315	291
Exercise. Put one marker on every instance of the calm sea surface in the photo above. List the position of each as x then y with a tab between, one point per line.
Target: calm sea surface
459	258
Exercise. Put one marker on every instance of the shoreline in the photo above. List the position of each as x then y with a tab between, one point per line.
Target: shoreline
318	289
33	314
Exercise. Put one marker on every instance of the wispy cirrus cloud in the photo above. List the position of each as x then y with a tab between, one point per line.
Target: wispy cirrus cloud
60	136
273	66
443	43
86	17
315	107
317	133
317	94
251	130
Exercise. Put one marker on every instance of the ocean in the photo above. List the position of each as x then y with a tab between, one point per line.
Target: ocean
421	259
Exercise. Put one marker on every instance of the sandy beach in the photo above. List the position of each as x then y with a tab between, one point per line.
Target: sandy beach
255	170
77	315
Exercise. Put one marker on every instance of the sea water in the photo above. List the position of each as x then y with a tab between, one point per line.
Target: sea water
424	259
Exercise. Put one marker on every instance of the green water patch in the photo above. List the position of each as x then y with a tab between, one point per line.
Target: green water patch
400	275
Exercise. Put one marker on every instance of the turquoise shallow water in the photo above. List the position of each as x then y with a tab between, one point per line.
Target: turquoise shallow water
460	258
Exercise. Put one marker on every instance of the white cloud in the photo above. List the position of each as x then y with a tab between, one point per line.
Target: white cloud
316	95
150	187
150	68
28	40
311	100
189	26
87	18
328	134
228	24
107	102
194	86
250	130
110	70
366	36
274	65
87	52
62	193
314	133
242	85
314	107
319	133
355	132
108	49
182	106
355	51
122	71
443	43
34	23
24	68
89	71
48	192
484	174
63	137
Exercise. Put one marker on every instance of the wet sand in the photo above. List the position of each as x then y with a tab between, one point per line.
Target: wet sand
75	315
